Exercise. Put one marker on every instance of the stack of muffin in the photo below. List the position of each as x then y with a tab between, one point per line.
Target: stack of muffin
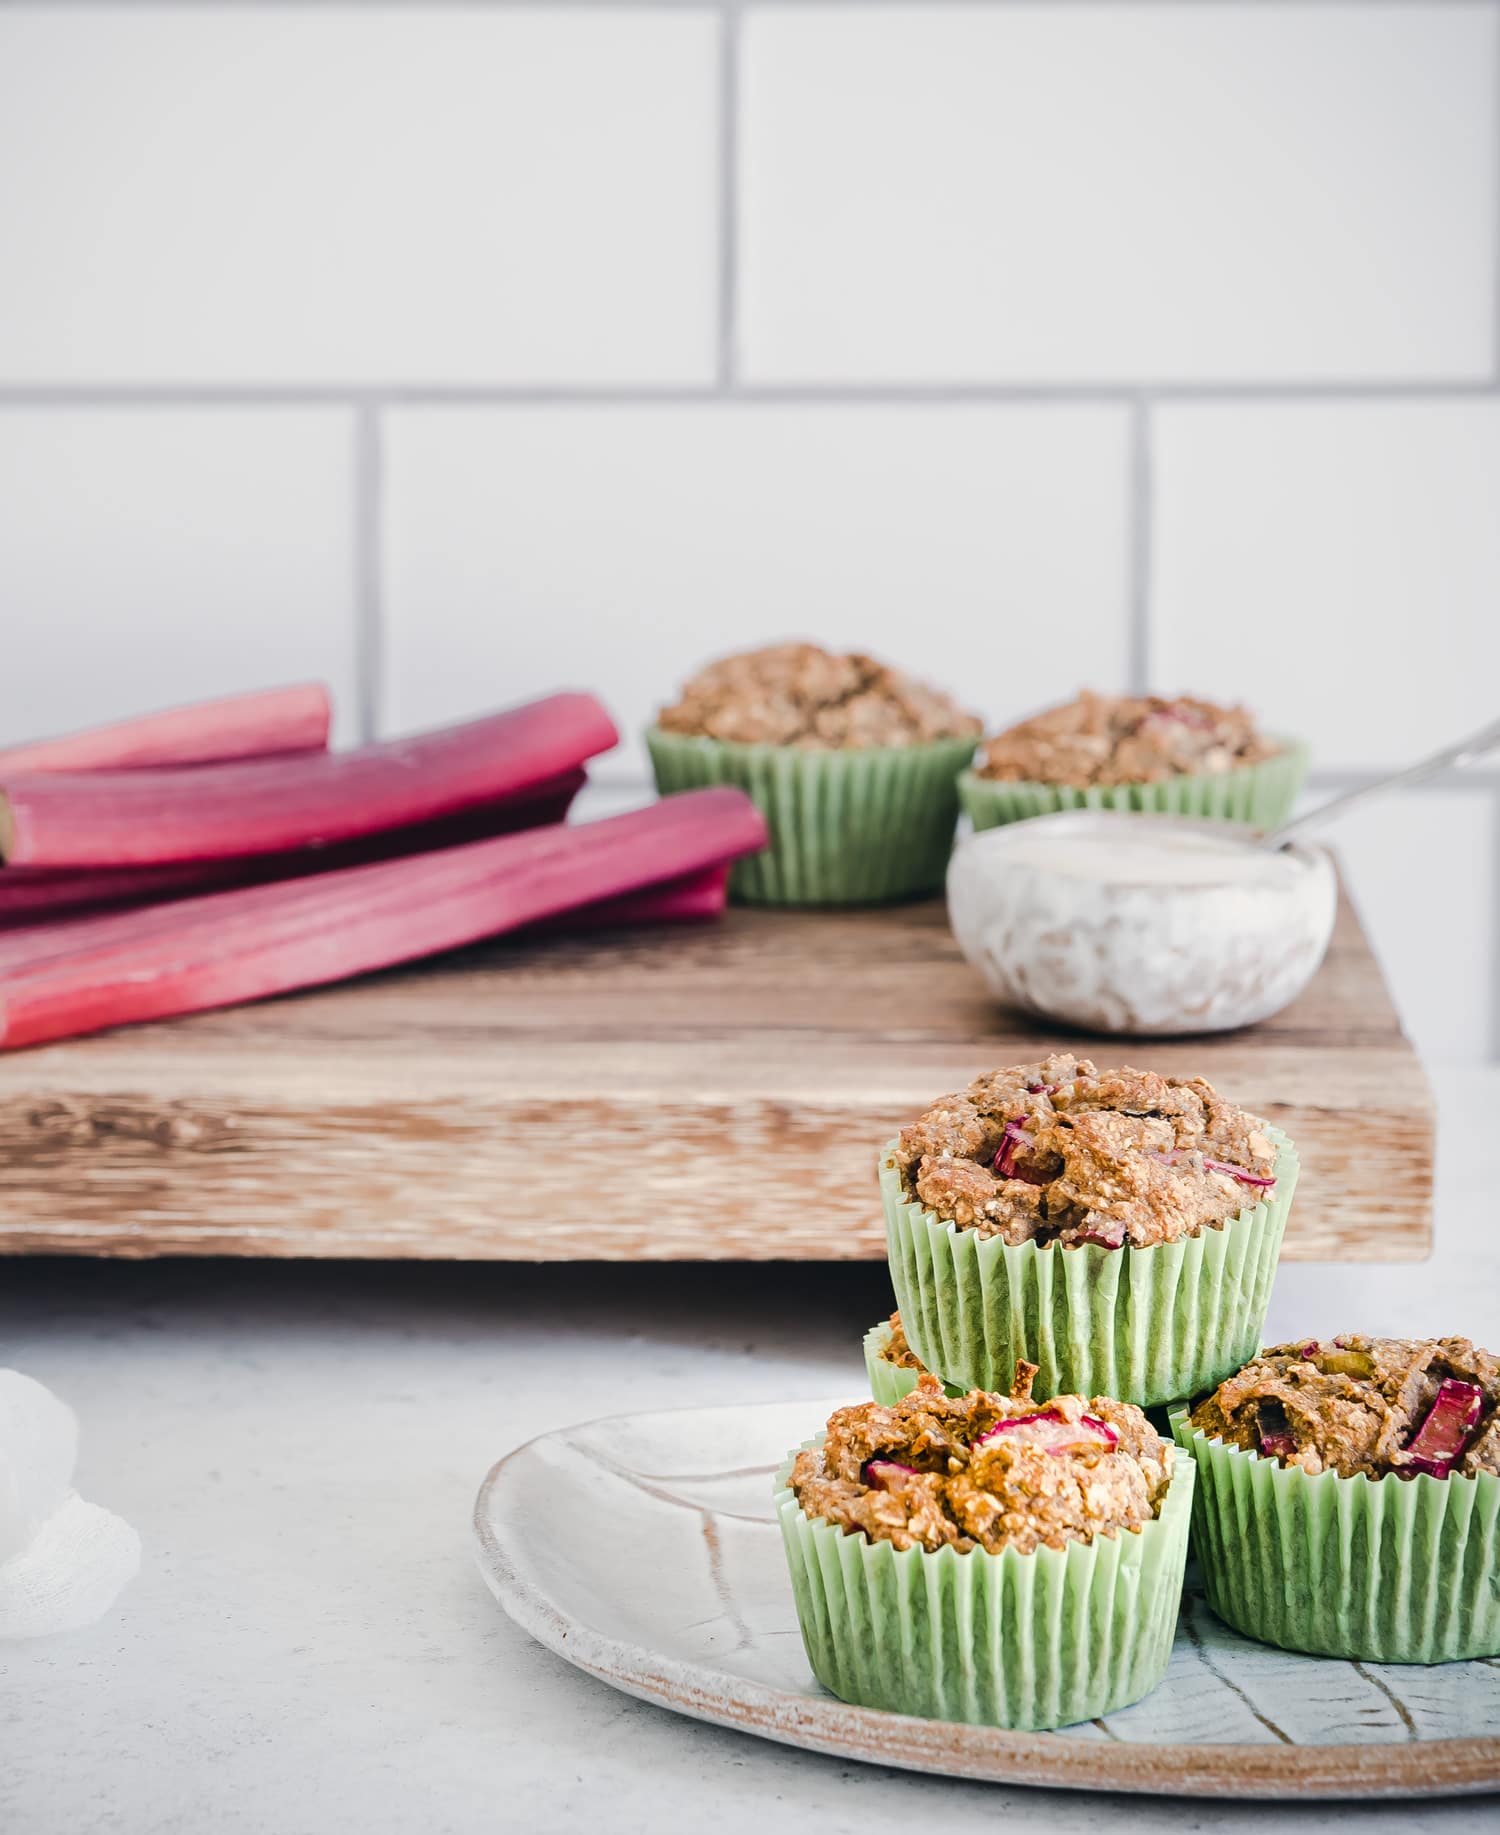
999	1536
860	771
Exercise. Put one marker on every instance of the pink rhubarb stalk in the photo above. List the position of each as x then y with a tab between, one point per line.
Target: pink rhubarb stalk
689	900
32	896
267	806
243	945
695	898
239	726
1439	1442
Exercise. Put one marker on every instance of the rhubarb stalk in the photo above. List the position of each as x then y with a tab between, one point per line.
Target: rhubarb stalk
234	946
30	895
688	900
219	812
238	726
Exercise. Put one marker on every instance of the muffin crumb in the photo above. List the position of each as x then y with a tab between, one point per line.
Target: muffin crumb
985	1471
898	1349
797	694
1124	739
1358	1405
1061	1151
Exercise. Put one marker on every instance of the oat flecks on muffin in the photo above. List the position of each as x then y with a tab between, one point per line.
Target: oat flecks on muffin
1064	1152
897	1351
797	694
1124	739
985	1471
1357	1405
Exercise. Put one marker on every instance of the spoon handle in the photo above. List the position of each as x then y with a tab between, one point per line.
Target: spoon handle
1461	752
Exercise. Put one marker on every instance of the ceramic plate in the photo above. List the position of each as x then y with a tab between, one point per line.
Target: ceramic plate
686	1602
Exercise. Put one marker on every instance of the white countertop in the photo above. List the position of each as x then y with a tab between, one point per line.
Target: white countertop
309	1648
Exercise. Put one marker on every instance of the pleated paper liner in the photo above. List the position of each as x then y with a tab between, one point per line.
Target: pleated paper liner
1390	1570
1010	1640
1261	795
857	827
888	1381
1143	1325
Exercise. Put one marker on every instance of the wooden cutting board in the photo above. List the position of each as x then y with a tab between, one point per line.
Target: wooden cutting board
692	1094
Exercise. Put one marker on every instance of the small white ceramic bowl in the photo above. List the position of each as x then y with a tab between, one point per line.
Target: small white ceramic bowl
1140	924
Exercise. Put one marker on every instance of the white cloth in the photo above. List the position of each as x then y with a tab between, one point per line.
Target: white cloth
62	1561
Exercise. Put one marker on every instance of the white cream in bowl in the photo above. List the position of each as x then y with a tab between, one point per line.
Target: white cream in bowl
1140	924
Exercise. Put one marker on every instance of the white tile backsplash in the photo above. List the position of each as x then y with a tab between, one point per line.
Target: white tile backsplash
342	194
623	408
1421	865
153	557
624	547
1083	193
1337	565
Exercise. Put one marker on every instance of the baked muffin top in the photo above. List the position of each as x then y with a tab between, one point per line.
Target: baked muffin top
1356	1405
1064	1152
897	1351
797	694
1124	739
985	1471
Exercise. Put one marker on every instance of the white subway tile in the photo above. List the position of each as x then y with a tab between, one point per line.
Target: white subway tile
1420	865
1116	192
985	548
150	558
1335	565
364	193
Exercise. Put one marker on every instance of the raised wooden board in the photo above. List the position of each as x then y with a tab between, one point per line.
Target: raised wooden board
695	1094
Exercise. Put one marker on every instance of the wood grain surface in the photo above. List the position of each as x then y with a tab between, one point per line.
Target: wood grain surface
693	1094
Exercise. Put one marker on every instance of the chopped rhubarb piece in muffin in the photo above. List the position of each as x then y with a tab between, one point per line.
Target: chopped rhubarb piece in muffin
797	694
1124	739
985	1471
1356	1405
1061	1151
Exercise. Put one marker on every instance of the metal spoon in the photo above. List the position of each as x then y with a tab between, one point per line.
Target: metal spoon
1464	752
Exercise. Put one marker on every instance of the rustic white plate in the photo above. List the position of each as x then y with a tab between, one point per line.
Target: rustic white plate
643	1549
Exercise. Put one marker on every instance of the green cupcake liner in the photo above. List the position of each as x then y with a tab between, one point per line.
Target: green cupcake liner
1392	1570
1009	1640
1143	1325
888	1381
847	827
1262	795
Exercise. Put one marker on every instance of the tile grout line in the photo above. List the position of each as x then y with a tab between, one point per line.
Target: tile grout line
1495	184
368	518
672	6
711	392
728	198
1494	915
1138	602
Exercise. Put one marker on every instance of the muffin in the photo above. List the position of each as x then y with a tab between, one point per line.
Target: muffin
893	1367
987	1558
1176	755
1349	1498
1118	1228
853	764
